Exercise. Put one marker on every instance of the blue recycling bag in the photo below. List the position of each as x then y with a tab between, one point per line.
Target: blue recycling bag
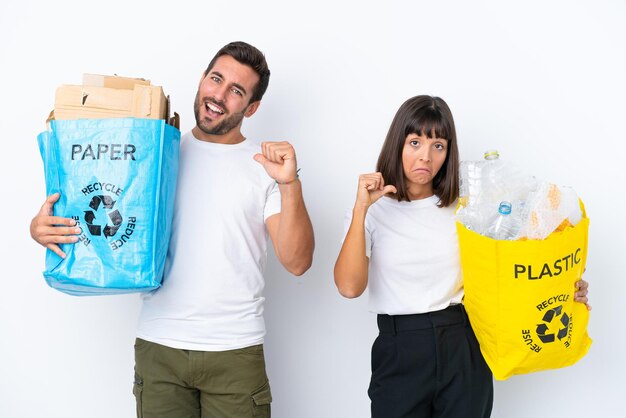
117	179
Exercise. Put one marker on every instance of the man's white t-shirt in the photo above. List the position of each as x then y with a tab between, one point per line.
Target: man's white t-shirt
414	264
211	298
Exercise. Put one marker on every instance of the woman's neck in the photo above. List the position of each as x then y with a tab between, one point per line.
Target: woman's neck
419	191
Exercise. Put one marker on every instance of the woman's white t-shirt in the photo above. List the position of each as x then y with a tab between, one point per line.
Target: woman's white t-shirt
414	264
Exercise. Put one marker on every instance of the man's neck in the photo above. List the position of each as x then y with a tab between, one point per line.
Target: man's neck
234	136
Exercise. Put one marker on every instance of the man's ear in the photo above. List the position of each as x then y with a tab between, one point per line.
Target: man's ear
252	108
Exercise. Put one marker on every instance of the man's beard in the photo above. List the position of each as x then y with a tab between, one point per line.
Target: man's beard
225	126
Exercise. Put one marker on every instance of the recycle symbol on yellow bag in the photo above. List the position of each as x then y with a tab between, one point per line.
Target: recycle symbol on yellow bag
546	330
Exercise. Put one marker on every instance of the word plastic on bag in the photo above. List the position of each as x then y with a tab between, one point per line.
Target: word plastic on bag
557	268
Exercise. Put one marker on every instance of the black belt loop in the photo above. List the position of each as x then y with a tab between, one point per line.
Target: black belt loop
465	318
394	327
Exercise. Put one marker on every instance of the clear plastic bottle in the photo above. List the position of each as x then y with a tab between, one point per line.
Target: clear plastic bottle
485	184
493	175
469	181
480	190
506	224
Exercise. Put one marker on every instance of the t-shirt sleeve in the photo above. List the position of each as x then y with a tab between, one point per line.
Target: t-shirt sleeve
272	202
368	236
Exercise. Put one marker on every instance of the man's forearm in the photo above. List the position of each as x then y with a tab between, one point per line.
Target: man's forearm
295	241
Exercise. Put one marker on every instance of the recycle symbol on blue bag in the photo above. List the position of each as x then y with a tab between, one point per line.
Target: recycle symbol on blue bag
99	225
543	330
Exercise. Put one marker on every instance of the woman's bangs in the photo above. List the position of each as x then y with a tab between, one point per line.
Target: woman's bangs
431	124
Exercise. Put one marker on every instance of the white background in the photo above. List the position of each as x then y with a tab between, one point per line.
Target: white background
542	81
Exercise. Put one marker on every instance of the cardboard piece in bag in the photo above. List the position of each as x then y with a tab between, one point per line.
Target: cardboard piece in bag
111	97
79	102
113	81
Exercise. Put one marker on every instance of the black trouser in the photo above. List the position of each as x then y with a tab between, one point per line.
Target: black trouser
429	365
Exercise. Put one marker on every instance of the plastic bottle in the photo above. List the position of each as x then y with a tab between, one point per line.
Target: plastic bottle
505	225
504	181
493	175
485	184
486	190
469	181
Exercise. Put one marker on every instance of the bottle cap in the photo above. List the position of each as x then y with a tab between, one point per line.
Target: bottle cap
505	208
491	154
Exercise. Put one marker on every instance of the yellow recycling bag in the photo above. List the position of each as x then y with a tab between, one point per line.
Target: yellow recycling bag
519	296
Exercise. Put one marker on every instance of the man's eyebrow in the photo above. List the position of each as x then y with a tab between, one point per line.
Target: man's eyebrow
237	85
240	87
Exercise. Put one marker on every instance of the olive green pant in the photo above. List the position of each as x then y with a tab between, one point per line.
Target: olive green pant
173	383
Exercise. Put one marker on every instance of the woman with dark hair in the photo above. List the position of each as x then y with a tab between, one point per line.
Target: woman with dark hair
401	243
